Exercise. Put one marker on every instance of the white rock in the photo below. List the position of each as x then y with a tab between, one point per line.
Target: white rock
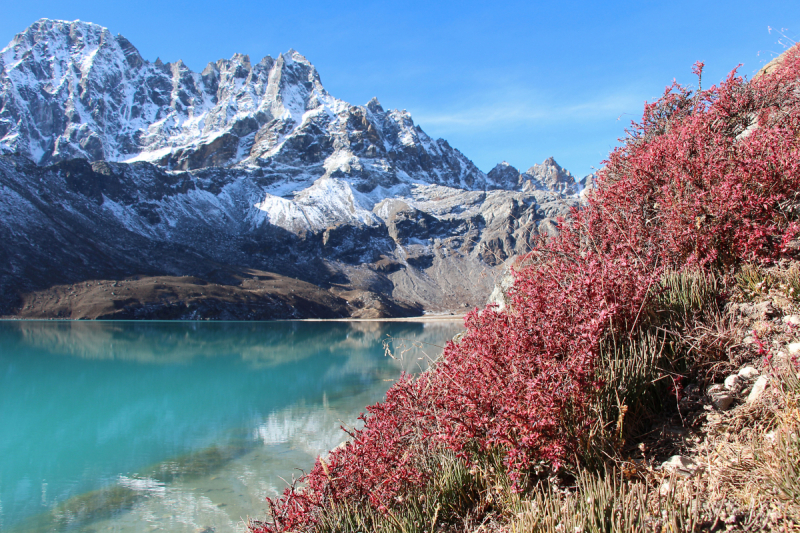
681	465
732	382
794	320
758	389
748	373
794	347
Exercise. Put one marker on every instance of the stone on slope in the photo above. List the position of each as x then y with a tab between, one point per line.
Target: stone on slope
758	390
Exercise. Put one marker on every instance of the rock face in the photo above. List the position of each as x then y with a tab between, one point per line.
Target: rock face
114	166
547	176
72	89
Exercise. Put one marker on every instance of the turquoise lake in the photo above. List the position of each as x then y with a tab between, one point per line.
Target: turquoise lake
181	426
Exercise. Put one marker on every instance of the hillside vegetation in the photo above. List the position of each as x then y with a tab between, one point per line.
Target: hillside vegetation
558	412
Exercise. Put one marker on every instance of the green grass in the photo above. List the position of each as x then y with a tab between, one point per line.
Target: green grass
629	373
684	292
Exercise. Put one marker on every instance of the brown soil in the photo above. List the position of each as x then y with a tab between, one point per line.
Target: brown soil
244	295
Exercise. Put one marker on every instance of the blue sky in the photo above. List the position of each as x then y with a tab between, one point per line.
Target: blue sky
514	81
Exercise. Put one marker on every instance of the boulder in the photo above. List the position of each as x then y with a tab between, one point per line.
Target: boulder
733	383
792	320
748	373
680	465
720	398
758	390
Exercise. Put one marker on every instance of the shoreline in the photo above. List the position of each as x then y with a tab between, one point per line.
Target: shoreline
422	318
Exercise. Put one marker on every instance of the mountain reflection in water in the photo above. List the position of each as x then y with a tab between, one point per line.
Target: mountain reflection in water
124	413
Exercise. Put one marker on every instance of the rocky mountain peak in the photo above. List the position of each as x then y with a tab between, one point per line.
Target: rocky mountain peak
505	176
48	44
132	55
293	56
546	176
374	105
242	59
248	164
550	176
73	91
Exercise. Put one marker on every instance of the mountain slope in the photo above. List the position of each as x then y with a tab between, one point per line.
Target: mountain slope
116	167
71	89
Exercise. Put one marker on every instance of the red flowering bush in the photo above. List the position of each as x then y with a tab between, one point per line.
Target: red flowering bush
518	382
705	180
710	178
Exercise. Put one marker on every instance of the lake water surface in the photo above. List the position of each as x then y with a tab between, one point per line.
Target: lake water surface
181	426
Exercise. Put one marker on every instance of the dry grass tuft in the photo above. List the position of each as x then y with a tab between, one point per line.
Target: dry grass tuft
779	454
608	503
758	282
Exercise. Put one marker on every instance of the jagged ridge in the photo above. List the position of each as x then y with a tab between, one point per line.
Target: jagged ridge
150	167
71	89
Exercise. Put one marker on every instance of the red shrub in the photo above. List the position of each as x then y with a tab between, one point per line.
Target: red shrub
687	187
691	186
519	382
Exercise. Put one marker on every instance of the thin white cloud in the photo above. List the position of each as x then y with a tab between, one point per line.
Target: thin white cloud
507	112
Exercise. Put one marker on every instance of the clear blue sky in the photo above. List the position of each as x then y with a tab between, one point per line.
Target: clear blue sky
514	81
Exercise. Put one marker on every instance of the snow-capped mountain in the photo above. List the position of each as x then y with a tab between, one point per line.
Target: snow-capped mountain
72	89
115	165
